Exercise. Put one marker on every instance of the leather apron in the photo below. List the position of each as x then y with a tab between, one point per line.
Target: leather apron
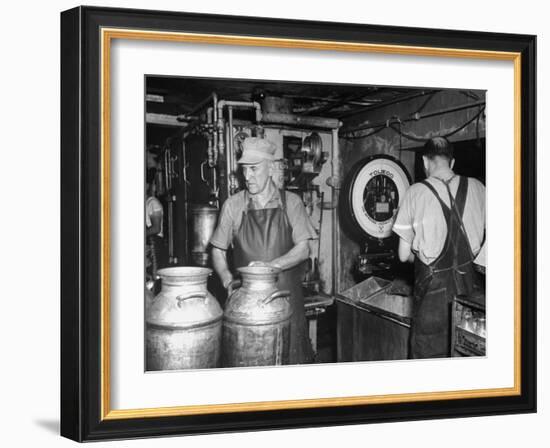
437	283
265	234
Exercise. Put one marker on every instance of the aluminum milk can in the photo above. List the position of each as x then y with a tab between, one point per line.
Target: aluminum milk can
256	322
183	322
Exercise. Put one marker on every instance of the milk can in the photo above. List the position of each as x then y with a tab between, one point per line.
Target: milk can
256	321
183	322
203	224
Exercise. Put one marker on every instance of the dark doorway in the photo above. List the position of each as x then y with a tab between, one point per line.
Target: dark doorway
469	160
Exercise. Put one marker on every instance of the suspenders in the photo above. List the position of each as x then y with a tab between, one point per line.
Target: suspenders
457	203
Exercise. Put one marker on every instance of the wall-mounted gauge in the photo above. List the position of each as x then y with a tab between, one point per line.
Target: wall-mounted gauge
371	195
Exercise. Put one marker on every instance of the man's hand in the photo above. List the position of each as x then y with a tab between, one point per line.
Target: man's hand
404	251
294	256
219	260
227	282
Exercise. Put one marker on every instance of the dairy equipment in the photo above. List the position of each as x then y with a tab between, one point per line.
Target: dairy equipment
371	195
256	322
183	322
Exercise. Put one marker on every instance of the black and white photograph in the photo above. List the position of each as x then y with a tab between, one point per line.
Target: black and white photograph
274	224
304	223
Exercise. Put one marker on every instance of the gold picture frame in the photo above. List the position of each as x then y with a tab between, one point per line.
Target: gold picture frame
97	28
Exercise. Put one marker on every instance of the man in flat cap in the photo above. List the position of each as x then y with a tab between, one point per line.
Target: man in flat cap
267	227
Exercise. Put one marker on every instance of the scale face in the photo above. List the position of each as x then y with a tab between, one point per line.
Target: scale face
376	187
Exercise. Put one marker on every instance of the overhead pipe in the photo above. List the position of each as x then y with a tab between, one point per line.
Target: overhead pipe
241	104
298	120
211	119
165	120
397	100
245	123
334	100
212	97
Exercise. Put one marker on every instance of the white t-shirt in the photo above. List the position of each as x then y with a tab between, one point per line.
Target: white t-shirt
420	220
153	207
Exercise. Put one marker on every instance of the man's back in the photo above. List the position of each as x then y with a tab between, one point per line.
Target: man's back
420	220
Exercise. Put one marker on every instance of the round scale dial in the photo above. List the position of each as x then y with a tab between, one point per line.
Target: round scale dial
375	188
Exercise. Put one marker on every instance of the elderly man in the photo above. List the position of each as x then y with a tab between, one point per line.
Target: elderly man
270	227
441	225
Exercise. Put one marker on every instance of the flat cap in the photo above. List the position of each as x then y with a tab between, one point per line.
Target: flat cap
255	150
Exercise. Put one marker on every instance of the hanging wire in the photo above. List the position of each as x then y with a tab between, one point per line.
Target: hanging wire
423	106
354	136
482	109
391	124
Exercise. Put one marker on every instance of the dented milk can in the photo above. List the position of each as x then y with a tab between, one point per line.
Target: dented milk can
256	321
183	322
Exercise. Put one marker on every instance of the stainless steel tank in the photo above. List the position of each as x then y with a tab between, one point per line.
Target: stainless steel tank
183	322
204	219
256	321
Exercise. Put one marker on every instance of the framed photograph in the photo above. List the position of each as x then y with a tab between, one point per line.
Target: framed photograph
277	224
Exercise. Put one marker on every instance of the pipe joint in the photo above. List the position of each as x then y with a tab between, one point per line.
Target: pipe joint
335	182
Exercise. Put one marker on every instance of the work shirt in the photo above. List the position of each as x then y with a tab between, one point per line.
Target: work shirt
421	223
232	213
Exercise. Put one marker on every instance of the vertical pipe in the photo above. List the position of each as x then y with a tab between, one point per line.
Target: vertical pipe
227	161
209	137
171	230
335	184
220	135
230	151
220	126
322	198
185	201
215	122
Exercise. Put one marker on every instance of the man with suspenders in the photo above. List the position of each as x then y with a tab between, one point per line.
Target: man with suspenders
441	226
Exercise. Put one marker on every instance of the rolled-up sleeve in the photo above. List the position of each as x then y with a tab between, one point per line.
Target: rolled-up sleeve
403	225
302	228
223	235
